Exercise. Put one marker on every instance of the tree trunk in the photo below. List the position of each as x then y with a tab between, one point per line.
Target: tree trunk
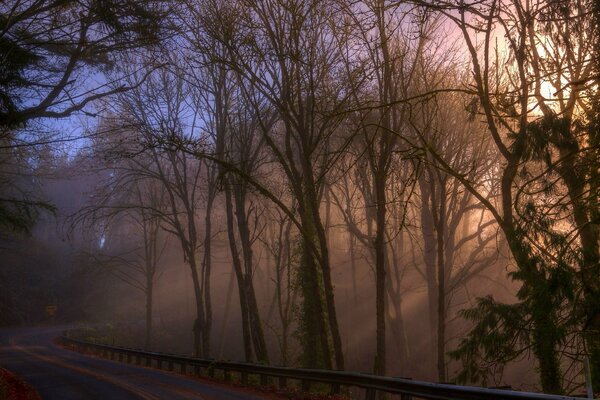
258	337
199	322
589	236
149	299
237	267
225	316
396	323
441	294
325	265
206	269
380	271
314	324
352	266
255	324
545	333
544	347
316	352
429	255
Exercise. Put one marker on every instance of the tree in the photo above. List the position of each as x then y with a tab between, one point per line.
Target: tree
298	80
452	256
234	141
20	202
393	61
282	243
238	142
48	50
47	46
541	48
153	118
127	206
594	174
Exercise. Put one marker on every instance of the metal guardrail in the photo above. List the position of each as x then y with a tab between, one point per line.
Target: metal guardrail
407	388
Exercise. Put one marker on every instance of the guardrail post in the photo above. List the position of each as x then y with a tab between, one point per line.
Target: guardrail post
370	394
282	382
335	388
372	386
305	385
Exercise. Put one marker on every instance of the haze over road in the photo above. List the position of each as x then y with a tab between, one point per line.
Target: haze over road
61	374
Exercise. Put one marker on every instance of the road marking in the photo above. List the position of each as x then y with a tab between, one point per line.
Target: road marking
141	393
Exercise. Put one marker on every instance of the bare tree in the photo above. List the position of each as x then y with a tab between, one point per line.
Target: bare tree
390	58
126	206
154	117
282	244
244	149
296	78
452	256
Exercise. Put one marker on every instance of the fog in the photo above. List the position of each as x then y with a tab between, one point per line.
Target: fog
400	188
54	266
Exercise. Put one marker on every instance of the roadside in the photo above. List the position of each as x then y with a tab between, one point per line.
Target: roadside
268	392
60	374
14	388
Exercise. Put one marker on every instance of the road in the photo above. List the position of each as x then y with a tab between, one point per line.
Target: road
61	374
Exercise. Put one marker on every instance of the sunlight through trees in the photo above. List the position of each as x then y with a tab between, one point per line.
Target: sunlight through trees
400	187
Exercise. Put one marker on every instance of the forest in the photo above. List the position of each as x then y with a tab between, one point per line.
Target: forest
401	187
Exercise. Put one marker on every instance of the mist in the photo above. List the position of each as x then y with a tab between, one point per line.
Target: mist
401	189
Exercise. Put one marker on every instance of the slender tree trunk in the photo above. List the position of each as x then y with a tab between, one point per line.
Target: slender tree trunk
328	285
225	315
260	346
199	322
380	272
237	267
398	329
255	324
149	299
352	266
206	269
429	256
284	343
441	295
396	323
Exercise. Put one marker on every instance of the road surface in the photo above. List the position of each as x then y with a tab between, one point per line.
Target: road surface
61	374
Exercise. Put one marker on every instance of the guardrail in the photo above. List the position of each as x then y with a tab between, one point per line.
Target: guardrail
407	388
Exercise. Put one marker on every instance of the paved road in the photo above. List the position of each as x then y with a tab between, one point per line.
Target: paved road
65	375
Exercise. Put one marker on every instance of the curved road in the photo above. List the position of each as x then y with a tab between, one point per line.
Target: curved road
60	374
